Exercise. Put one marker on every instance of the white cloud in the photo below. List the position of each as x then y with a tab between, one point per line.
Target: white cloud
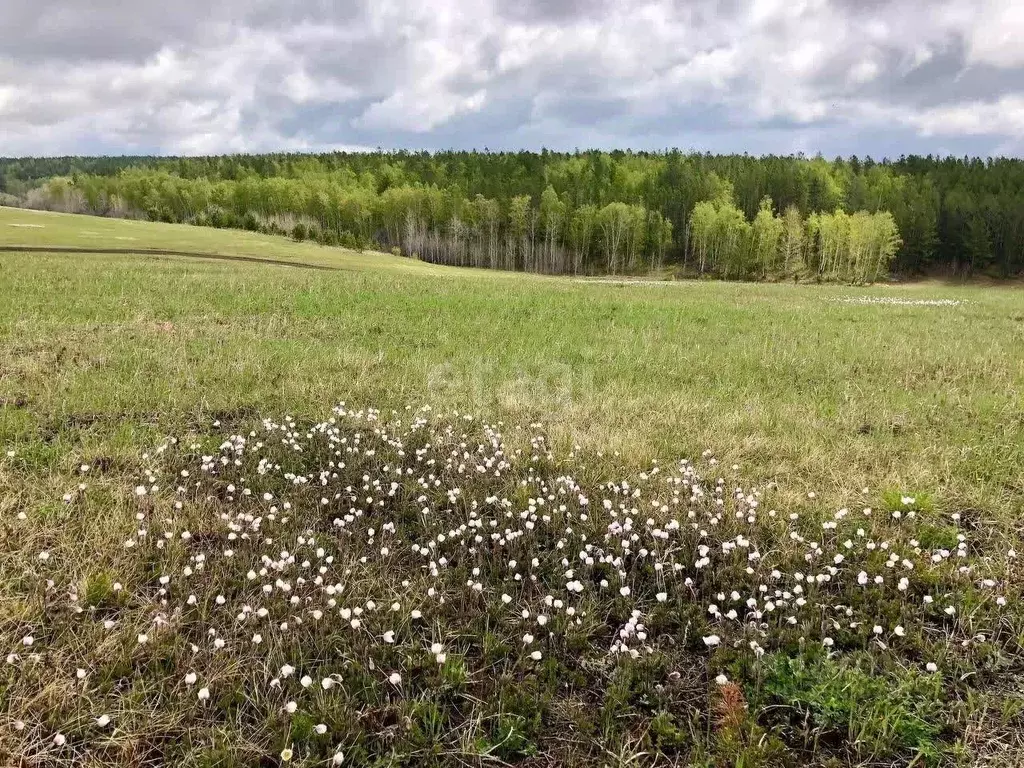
997	35
419	110
235	76
1003	117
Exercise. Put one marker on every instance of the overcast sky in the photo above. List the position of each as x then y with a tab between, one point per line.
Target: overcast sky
865	77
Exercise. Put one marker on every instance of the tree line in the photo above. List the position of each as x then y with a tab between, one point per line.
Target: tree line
837	246
730	215
426	221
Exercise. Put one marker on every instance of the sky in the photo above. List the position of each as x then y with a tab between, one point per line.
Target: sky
836	77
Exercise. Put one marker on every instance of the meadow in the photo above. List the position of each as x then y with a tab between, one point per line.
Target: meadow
509	448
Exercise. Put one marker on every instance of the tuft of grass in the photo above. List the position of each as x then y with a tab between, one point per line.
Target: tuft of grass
902	502
873	712
98	589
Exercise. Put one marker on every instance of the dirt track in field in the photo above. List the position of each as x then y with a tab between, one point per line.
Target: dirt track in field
163	252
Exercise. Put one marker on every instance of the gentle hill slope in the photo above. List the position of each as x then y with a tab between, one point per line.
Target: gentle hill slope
24	227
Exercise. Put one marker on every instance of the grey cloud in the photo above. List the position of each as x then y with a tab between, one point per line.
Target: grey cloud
878	77
533	11
72	32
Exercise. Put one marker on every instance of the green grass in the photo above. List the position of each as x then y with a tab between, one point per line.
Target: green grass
788	382
42	228
103	355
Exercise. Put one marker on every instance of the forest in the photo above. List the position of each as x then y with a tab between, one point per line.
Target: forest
594	212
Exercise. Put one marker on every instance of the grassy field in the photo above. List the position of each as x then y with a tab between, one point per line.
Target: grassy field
822	397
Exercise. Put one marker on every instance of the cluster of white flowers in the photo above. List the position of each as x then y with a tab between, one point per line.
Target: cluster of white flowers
633	631
898	302
384	536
